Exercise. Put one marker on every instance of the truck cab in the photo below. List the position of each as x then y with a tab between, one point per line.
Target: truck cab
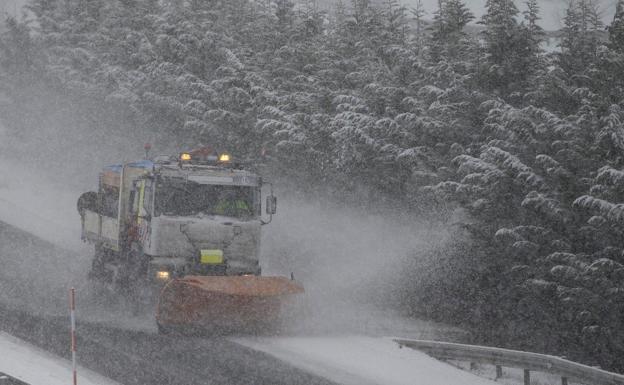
197	213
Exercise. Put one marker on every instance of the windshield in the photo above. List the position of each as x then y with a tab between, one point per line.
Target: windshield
184	198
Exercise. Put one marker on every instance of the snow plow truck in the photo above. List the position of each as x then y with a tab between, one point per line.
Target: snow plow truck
188	228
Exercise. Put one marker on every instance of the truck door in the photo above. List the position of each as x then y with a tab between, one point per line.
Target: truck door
106	219
142	194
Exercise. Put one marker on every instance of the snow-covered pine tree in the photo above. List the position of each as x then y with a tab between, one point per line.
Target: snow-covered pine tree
394	19
616	29
285	15
45	12
533	36
448	38
418	13
580	41
609	79
505	47
311	19
17	50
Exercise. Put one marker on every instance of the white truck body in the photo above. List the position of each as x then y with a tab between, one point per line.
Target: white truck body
170	241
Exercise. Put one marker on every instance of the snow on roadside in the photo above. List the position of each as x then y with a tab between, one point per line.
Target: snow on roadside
37	367
38	204
362	360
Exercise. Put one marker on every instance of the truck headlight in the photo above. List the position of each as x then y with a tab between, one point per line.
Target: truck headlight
163	275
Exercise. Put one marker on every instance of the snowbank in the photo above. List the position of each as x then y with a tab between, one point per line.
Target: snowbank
37	367
362	361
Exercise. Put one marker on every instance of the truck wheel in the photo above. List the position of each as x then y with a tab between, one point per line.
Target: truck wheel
98	271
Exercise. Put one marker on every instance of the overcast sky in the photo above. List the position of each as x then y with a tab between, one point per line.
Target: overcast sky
552	10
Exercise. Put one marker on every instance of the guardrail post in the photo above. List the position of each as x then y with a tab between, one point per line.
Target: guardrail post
499	371
564	381
72	310
527	377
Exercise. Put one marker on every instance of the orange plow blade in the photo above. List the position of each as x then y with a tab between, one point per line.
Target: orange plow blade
223	303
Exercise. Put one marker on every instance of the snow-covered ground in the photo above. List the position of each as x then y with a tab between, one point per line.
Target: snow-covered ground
34	366
358	360
38	204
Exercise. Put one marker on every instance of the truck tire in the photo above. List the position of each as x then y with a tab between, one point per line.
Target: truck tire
98	271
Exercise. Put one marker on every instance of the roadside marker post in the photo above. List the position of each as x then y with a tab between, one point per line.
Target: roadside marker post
72	312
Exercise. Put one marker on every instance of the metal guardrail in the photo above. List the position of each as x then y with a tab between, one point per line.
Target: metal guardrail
568	370
5	379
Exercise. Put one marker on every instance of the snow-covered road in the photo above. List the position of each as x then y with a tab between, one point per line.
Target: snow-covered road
360	360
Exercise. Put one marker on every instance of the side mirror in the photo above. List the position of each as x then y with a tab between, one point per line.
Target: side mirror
271	204
88	201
